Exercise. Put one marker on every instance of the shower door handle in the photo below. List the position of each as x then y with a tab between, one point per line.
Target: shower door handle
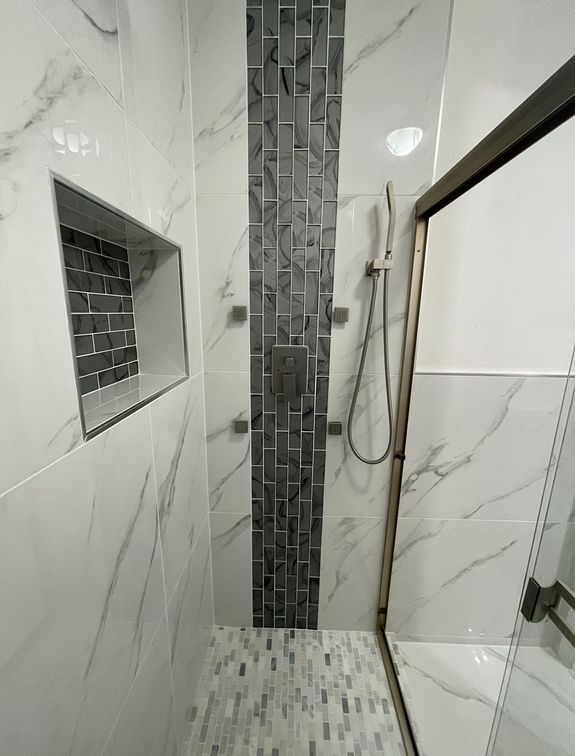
289	371
540	602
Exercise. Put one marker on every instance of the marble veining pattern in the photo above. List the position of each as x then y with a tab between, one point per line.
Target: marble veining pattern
294	86
292	692
382	38
479	446
84	642
451	692
439	564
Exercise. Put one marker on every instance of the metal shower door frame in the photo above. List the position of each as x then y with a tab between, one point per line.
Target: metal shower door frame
551	105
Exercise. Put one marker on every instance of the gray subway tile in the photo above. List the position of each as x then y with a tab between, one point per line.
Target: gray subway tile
319	36
335	66
270	17
255	90
270	174
270	69
255	142
286	95
285	149
287	36
303	17
301	121
300	174
333	122
254	32
302	65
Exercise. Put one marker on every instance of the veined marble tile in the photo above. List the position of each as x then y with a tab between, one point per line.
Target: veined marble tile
458	578
471	109
361	236
180	466
155	67
387	87
147	722
539	707
54	115
90	27
223	249
218	46
488	304
227	399
479	446
81	593
190	621
166	202
231	541
451	691
353	488
351	553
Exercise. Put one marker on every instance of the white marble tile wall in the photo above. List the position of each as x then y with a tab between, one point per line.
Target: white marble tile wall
479	446
481	90
106	597
393	74
217	30
494	347
386	87
489	305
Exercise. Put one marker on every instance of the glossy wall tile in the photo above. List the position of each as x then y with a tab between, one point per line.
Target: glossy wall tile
105	571
100	298
294	75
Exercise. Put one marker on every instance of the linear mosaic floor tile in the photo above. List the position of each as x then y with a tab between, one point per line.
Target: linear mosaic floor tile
274	692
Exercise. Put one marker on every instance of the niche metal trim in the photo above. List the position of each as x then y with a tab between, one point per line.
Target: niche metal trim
87	435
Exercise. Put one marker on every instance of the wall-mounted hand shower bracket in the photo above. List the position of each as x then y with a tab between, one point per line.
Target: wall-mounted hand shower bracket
373	270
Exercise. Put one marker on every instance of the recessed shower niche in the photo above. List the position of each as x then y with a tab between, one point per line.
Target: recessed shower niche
126	309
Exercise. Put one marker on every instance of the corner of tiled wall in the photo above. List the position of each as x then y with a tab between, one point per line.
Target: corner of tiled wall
218	61
385	87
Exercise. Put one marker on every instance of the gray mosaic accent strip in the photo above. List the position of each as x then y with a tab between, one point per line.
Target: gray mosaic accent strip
266	692
100	295
295	63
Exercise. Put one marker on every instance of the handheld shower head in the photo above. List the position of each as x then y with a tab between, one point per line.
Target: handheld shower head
390	192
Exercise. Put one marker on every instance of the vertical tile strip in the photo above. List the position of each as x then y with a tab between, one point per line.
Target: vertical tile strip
295	64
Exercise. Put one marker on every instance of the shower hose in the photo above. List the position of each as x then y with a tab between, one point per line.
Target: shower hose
374	285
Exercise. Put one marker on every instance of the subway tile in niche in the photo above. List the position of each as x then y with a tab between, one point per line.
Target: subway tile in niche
293	167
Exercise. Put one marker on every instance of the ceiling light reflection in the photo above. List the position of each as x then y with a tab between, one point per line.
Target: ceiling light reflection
403	141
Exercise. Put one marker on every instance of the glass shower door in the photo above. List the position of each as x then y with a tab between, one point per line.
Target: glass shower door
536	712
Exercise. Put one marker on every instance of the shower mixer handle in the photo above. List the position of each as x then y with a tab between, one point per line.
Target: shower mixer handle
289	371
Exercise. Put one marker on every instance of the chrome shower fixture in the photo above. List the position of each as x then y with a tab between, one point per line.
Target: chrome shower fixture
373	270
374	267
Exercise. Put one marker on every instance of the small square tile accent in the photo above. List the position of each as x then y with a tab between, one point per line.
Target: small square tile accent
266	692
294	77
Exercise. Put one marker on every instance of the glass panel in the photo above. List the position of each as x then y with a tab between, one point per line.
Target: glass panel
537	707
494	348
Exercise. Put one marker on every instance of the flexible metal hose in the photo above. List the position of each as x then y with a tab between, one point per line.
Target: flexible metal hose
374	284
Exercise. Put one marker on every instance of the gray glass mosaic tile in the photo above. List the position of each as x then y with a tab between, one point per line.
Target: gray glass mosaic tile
100	300
292	692
303	65
295	59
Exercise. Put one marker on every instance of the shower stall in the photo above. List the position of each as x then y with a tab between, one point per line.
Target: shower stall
476	618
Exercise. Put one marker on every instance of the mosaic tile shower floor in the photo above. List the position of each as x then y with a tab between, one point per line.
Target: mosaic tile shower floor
272	692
